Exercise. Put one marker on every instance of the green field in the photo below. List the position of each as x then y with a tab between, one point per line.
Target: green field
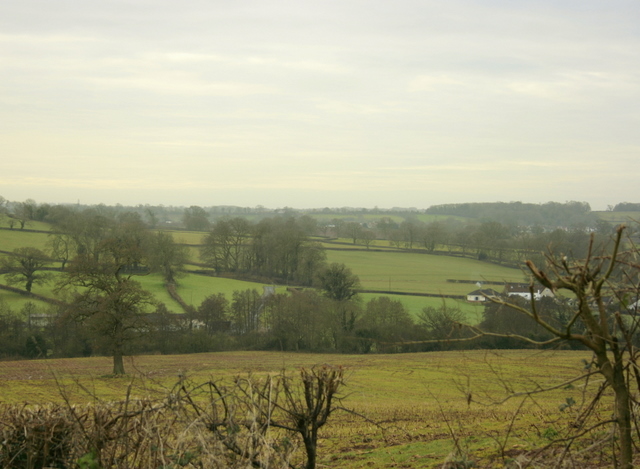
415	304
421	273
17	301
347	243
370	217
417	400
389	270
12	239
619	217
195	288
186	237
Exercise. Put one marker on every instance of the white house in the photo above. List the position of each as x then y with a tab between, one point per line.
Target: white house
481	295
522	290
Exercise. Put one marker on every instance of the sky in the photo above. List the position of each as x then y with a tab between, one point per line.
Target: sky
320	104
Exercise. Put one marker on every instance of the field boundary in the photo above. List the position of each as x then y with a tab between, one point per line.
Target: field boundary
23	230
483	282
408	293
35	296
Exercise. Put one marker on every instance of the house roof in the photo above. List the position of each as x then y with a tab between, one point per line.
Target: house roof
517	288
522	288
483	292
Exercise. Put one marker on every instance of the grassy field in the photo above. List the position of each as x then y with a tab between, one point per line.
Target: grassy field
370	217
17	301
31	225
418	400
619	217
195	288
347	243
421	273
192	240
415	304
12	239
386	271
186	237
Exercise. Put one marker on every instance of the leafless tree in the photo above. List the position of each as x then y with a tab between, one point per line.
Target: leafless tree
26	266
241	415
604	319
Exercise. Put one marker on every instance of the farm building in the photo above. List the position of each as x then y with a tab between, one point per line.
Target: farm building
522	290
481	295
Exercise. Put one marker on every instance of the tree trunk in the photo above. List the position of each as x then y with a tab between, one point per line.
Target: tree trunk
613	372
118	362
311	448
623	410
623	415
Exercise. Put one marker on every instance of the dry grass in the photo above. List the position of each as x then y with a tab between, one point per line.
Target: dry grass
244	423
421	408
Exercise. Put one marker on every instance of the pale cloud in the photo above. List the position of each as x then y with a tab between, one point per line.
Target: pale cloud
31	40
181	83
345	107
315	104
181	56
436	82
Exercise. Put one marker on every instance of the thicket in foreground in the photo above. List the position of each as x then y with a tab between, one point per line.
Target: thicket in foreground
250	422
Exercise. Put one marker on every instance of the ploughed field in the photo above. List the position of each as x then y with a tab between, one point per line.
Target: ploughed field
419	407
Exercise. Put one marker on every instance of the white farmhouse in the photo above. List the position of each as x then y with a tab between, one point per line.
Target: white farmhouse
481	295
522	290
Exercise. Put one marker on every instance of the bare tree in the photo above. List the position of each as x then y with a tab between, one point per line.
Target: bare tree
105	295
25	266
195	219
604	319
340	285
225	247
352	230
367	237
240	416
166	257
62	247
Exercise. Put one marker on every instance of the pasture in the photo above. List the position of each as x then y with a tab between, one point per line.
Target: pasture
619	217
417	406
195	288
347	243
388	270
12	239
374	217
421	273
415	304
186	237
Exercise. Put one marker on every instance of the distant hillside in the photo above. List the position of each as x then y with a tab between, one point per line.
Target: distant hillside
522	214
626	207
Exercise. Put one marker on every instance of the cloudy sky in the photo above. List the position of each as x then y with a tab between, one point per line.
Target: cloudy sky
324	103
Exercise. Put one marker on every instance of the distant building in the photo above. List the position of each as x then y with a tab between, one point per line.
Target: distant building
477	296
268	290
523	291
41	320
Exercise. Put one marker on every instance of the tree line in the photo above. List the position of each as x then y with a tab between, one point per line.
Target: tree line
304	320
550	214
484	240
505	233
